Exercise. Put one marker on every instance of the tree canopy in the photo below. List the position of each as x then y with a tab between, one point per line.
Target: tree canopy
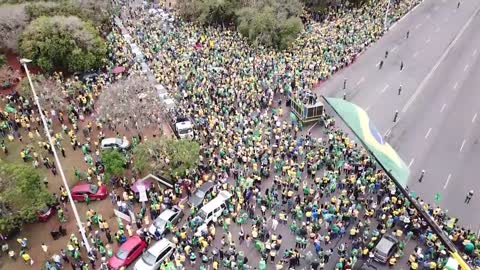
273	23
22	195
114	163
63	43
166	155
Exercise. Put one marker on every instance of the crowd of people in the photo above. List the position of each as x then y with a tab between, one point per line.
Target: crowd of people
298	201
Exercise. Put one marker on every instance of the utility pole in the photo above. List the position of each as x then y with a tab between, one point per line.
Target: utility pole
24	62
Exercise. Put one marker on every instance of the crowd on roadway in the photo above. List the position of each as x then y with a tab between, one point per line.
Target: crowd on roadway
298	201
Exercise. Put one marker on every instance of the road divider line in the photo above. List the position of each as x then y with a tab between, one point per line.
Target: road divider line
466	67
448	180
474	52
428	133
442	58
455	86
394	49
443	107
411	162
385	88
360	81
474	117
463	144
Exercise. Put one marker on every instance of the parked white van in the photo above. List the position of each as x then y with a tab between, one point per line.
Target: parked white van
214	208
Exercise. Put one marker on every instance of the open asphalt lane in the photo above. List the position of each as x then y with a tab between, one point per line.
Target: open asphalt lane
436	129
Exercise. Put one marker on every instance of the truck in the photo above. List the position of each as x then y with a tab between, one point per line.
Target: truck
179	121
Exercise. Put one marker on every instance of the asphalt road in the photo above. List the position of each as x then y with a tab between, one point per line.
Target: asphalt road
437	129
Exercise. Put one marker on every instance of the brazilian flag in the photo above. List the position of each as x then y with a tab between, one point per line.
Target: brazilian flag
359	122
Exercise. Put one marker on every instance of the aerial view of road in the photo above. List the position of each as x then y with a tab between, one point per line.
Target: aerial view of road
436	130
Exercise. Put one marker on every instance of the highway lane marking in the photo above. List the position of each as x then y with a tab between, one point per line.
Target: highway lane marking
442	58
443	107
360	81
463	144
455	86
428	40
474	52
448	180
312	126
418	26
428	133
466	67
385	88
474	117
394	49
411	162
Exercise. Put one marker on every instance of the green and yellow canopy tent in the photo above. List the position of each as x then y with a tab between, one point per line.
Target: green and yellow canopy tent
359	122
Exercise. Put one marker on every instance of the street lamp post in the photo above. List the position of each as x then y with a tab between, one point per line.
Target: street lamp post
24	62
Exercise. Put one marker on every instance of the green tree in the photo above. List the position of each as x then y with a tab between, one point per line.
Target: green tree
214	12
3	59
166	155
274	23
114	163
22	195
96	11
63	43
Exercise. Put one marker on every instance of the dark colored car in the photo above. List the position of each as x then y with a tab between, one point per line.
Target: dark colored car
385	248
93	192
127	253
45	213
196	200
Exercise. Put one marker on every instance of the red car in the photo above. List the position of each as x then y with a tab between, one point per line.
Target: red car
45	213
127	253
93	192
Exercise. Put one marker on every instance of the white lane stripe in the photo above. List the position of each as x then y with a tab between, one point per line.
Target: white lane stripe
312	126
455	86
448	180
411	162
418	26
428	40
360	81
466	67
442	58
474	117
428	133
475	52
443	107
385	88
387	133
463	144
394	49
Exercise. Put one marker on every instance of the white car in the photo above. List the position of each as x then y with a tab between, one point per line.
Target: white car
115	143
154	256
